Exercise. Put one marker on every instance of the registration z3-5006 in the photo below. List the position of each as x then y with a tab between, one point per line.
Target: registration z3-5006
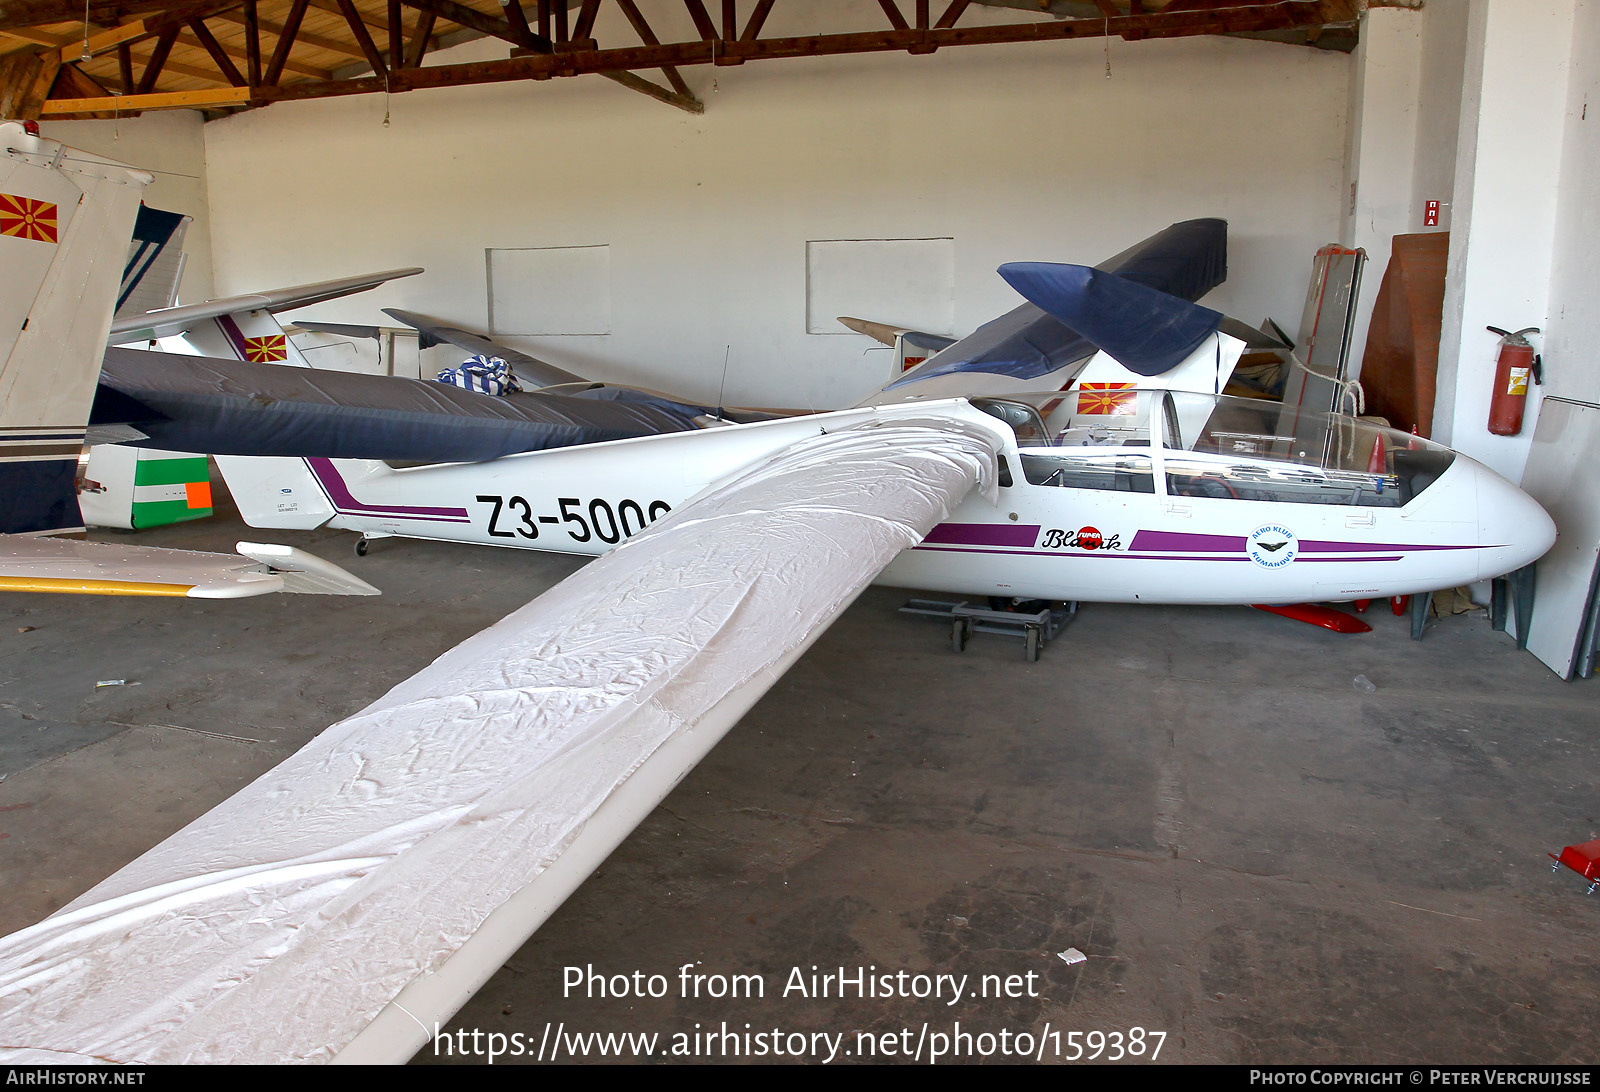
597	520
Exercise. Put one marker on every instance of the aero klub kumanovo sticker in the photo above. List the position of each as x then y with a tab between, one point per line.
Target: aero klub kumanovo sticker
1272	546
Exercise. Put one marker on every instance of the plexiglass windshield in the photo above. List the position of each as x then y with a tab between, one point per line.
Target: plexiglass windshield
1214	446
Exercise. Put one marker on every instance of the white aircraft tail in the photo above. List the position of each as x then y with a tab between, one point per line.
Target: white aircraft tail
66	218
275	492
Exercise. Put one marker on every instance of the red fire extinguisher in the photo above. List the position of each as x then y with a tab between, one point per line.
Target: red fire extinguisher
1517	362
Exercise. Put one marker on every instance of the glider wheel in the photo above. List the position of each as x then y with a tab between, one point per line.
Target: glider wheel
1031	644
958	634
362	546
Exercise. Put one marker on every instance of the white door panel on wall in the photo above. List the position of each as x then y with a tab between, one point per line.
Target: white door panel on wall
906	282
550	290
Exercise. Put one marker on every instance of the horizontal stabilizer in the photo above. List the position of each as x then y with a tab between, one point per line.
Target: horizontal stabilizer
343	329
1146	330
97	568
176	320
885	334
530	369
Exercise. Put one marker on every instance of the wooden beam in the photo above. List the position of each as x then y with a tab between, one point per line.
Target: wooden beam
252	43
397	35
892	10
100	43
224	63
956	9
636	18
677	83
661	94
363	39
419	39
332	45
126	56
23	37
280	52
72	82
244	55
125	104
517	20
158	58
25	80
1240	17
470	18
332	8
586	16
109	13
702	21
758	19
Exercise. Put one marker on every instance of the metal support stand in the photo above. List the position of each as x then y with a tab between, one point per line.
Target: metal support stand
1035	629
1513	593
1421	603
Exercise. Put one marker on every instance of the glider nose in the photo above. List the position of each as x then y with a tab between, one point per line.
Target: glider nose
1513	529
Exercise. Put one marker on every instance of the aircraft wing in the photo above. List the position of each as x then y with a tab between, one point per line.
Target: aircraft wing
1182	262
367	886
98	568
540	373
236	407
176	320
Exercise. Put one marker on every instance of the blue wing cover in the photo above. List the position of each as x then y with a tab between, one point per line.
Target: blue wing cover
234	407
1181	263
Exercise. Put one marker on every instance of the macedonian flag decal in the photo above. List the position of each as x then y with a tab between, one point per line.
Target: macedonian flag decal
1108	399
27	219
265	350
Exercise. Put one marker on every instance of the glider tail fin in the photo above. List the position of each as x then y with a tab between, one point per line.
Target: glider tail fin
275	491
66	218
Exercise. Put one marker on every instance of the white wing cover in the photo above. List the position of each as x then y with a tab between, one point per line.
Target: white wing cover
276	927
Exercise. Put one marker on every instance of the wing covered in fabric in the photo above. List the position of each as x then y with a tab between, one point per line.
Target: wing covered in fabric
235	407
498	777
1185	261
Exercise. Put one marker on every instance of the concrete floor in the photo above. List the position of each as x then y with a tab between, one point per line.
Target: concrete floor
1257	859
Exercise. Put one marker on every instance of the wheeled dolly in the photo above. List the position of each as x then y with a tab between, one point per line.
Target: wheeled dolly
1035	628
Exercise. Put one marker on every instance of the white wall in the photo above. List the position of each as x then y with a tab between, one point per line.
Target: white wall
1015	152
1444	47
1381	149
1509	160
171	145
1572	336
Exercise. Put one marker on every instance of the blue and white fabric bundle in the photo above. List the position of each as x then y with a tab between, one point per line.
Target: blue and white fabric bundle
484	374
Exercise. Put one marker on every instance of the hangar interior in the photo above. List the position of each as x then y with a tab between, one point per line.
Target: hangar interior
1181	819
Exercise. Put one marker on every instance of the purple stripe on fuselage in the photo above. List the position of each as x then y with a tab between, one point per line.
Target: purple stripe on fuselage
1326	547
347	504
1227	544
1185	540
984	534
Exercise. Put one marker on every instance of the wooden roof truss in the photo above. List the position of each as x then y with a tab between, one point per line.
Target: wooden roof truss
228	55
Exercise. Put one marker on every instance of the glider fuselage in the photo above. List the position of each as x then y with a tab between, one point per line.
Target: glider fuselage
1109	518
